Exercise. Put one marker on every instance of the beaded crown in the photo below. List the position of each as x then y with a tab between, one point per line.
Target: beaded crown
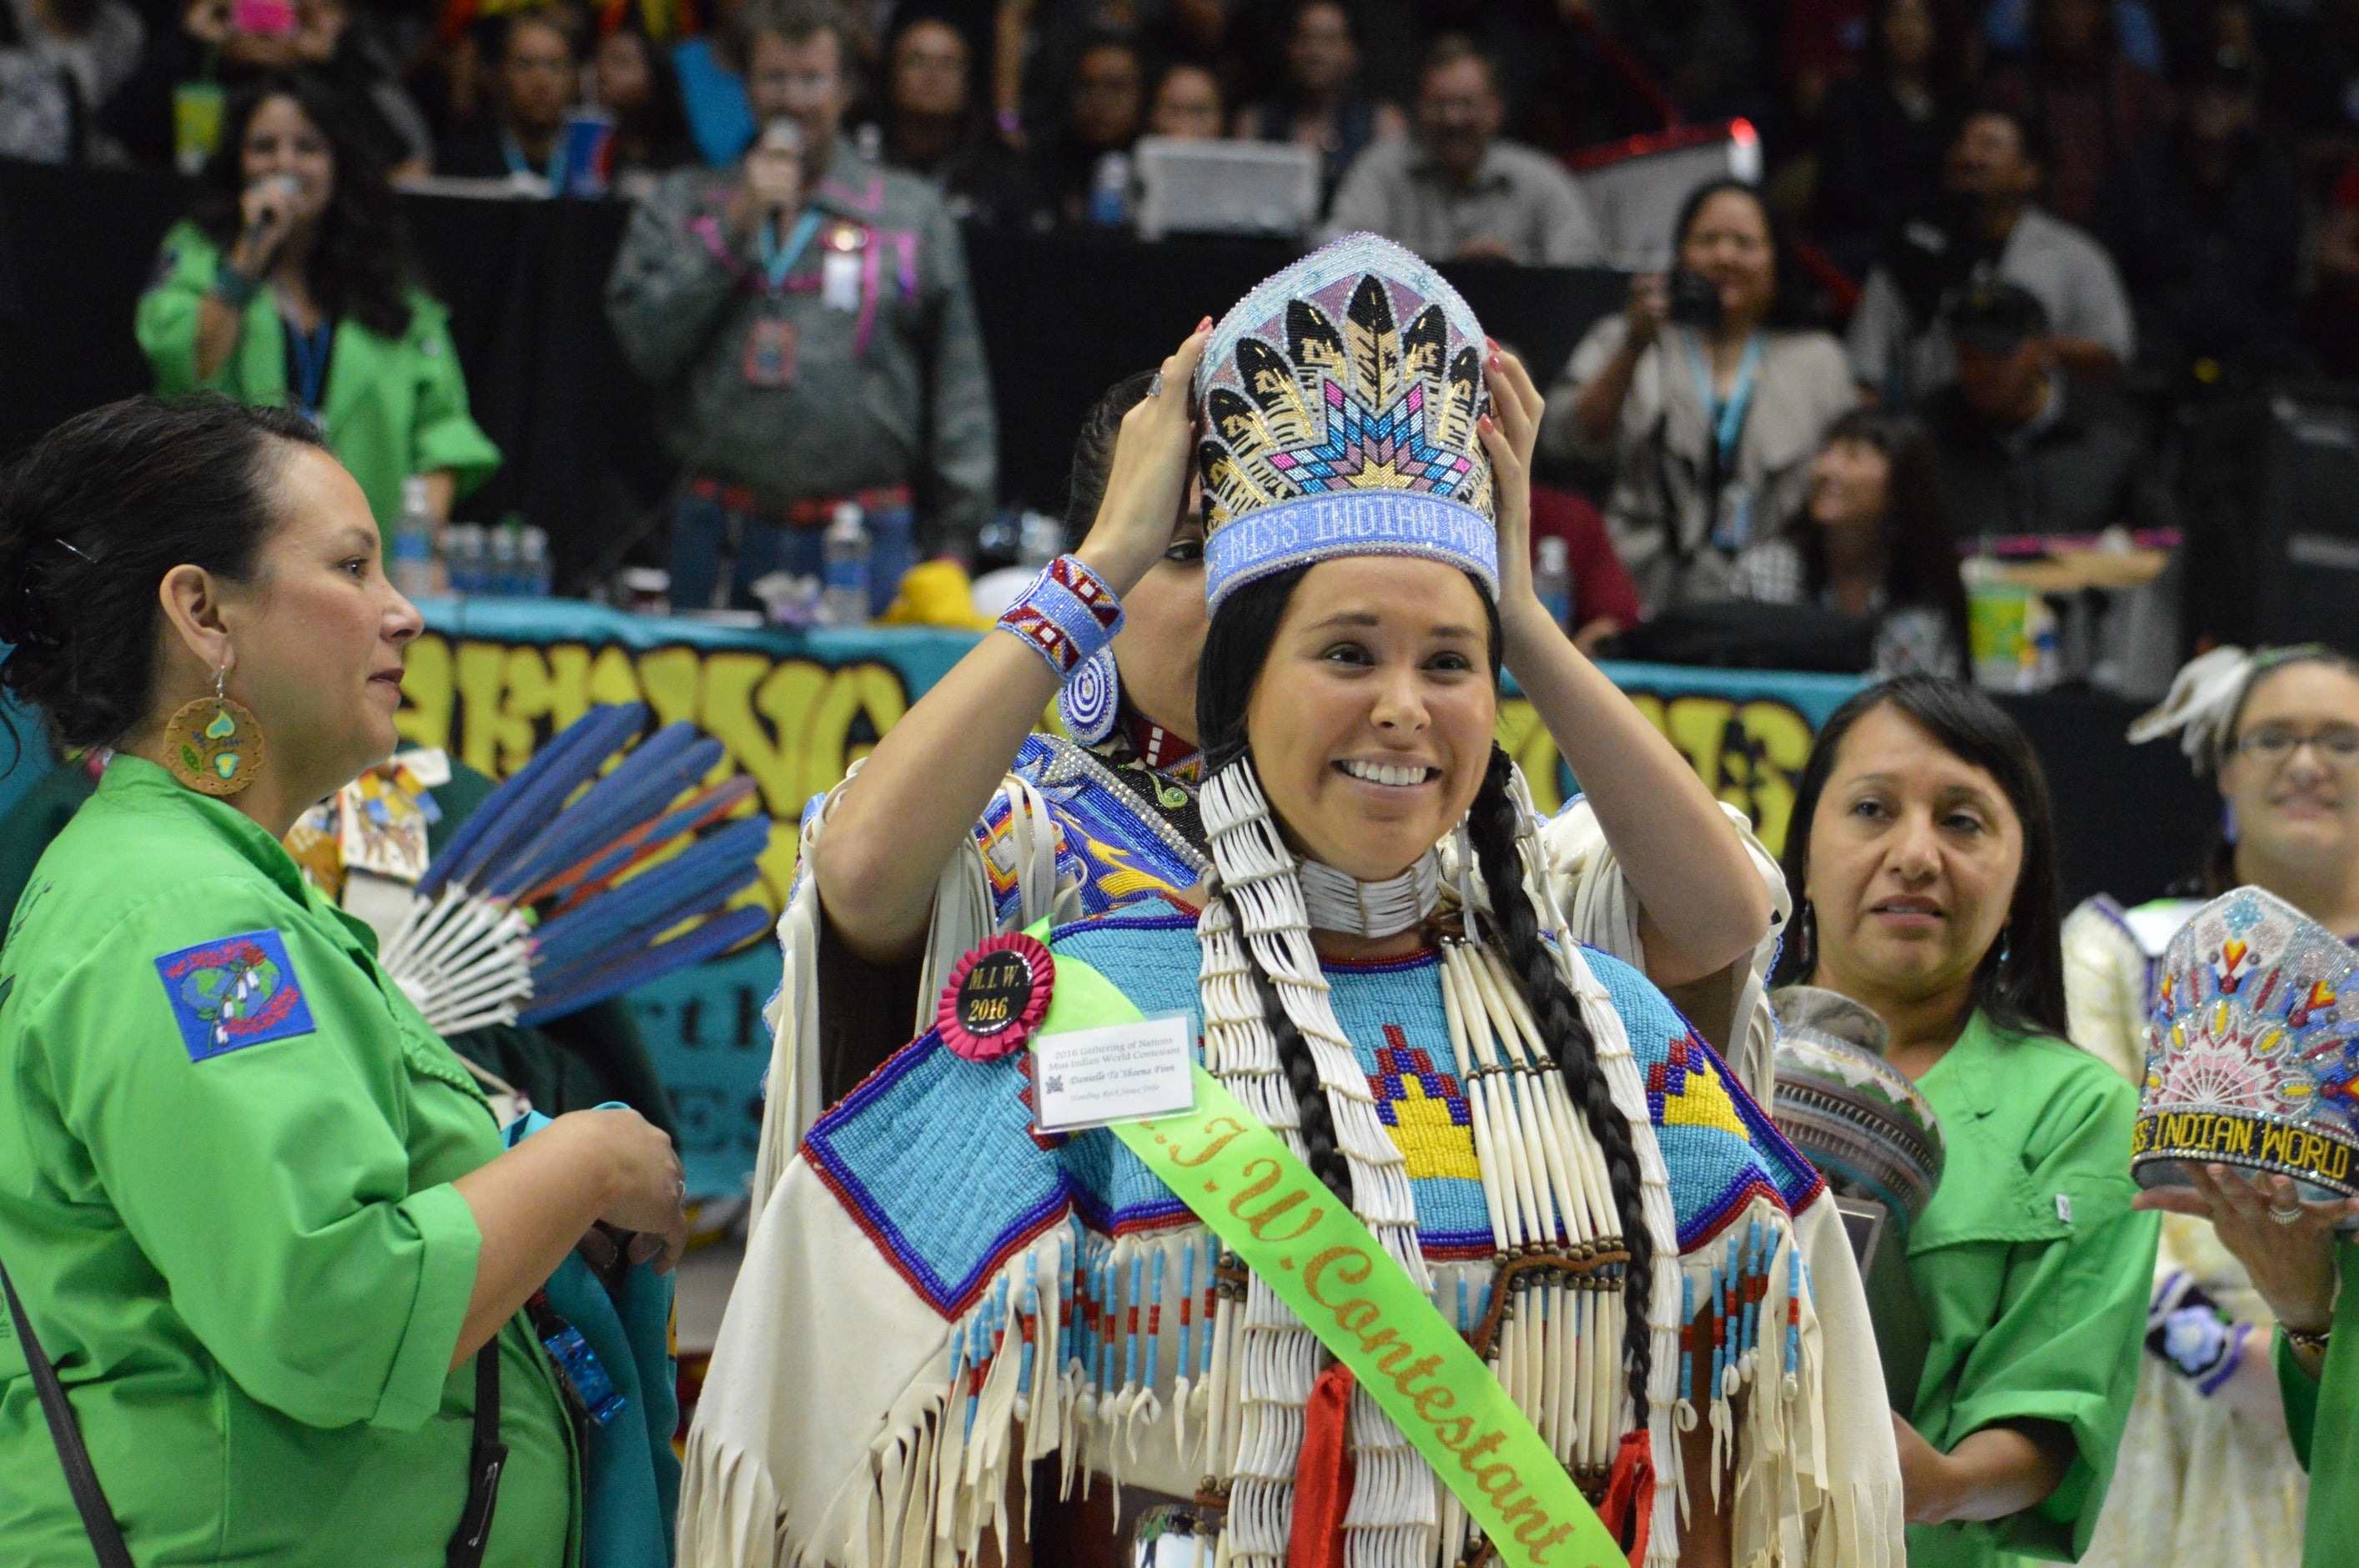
1339	401
2253	1051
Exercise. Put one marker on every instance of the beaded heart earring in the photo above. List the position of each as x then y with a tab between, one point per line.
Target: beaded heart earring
213	745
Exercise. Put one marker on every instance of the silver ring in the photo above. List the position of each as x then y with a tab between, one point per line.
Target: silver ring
1154	385
2285	1216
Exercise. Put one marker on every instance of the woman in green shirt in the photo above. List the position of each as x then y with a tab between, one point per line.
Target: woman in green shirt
290	286
257	1214
1924	862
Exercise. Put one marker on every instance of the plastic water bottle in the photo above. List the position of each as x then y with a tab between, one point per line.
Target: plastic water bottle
1110	192
410	561
532	571
843	553
1552	579
502	577
463	555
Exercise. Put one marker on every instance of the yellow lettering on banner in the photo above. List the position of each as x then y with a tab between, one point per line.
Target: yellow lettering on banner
569	684
482	674
1285	1202
425	692
668	677
524	704
727	716
1781	742
613	676
1523	737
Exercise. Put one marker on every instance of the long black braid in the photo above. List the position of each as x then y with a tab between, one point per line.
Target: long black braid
1498	853
1316	1117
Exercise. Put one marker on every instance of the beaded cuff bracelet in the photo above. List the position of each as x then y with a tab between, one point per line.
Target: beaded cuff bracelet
233	287
1067	614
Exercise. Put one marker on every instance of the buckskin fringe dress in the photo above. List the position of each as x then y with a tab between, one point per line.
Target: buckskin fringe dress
934	1297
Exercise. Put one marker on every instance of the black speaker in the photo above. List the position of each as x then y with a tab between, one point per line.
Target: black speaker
2308	572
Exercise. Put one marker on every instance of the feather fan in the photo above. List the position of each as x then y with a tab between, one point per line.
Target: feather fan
565	888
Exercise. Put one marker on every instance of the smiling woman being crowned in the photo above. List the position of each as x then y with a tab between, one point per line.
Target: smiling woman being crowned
1358	1213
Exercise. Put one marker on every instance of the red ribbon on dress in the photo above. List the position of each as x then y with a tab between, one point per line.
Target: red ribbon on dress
1628	1510
1322	1476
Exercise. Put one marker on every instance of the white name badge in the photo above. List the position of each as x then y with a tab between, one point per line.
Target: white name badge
839	279
1121	1073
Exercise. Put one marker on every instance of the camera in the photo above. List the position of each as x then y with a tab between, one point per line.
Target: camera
1694	301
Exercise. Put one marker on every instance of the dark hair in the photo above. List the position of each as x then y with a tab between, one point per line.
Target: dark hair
1791	296
2029	131
1946	71
795	21
1920	552
1236	647
2220	864
1448	50
2020	981
1093	451
91	520
359	266
500	31
662	120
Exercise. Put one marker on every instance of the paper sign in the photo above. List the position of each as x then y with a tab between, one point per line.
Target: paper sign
1085	1078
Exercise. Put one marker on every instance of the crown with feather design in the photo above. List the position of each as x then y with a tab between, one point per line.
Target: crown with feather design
1339	401
2253	1051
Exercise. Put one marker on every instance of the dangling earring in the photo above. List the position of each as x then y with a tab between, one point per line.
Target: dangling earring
1087	703
213	745
2228	829
2005	945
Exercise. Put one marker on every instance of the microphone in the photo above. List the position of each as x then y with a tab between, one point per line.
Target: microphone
277	190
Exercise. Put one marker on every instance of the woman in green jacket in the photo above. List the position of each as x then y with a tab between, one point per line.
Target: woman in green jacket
257	1214
290	286
1924	862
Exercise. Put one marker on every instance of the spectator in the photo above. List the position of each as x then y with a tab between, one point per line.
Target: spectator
60	62
2006	30
289	284
2206	219
2027	449
357	52
2089	103
1457	192
1187	105
1883	132
539	73
1874	545
635	84
1604	599
1323	108
1711	420
1987	228
806	318
934	128
1106	112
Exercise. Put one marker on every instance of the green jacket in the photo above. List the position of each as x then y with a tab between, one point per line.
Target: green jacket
2329	1400
2031	1276
391	408
888	384
226	1150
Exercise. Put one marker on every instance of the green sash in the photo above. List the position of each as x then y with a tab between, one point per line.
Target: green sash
1242	1182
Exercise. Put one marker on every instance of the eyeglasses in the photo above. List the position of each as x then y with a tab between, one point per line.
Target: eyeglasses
2274	744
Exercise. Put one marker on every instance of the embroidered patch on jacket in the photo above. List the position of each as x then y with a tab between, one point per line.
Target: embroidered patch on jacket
234	993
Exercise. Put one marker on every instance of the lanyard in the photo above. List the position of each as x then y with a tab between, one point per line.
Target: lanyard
513	151
778	263
1728	419
311	350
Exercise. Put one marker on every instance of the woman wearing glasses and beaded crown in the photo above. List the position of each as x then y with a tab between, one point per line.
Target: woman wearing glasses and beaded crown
1549	1164
2207	1475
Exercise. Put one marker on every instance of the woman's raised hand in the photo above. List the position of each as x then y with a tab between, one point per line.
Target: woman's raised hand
1509	432
2292	1263
1151	460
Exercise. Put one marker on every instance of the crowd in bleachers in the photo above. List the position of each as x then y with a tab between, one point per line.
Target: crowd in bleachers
2057	234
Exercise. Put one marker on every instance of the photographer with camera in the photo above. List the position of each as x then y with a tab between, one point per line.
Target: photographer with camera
1704	399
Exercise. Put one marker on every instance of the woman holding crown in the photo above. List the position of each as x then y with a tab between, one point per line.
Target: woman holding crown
1413	1232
